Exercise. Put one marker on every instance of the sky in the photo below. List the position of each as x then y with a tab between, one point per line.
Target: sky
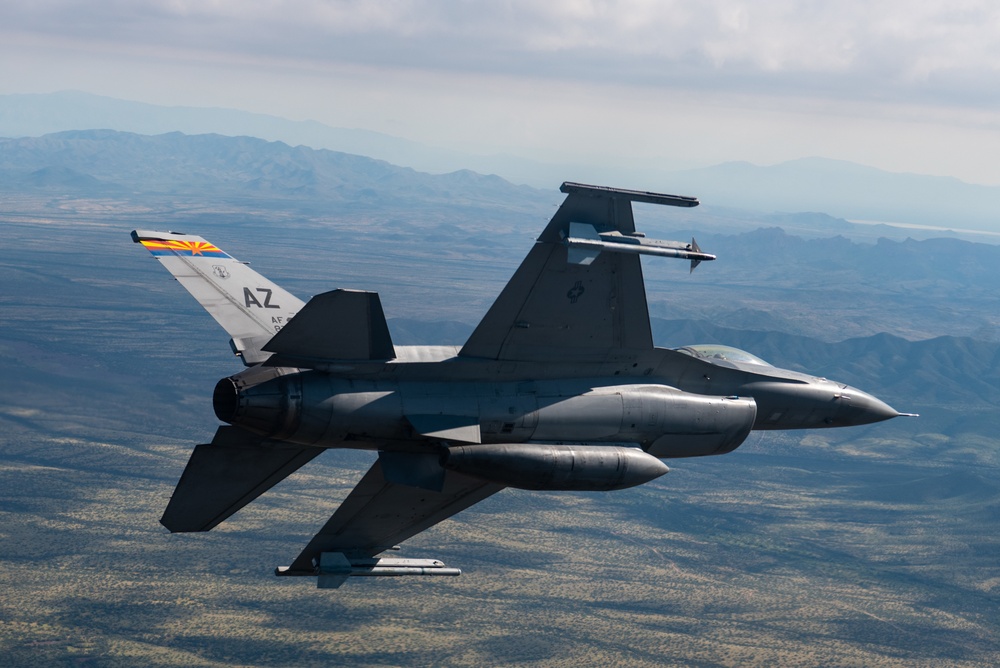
906	86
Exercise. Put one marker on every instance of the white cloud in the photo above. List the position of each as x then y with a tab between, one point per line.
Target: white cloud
870	80
905	40
919	49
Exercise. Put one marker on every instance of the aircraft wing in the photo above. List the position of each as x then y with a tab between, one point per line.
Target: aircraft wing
579	294
379	514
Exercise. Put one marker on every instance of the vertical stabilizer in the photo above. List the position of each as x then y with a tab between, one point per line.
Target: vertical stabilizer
249	307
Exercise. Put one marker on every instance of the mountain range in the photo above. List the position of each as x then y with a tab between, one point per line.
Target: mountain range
841	189
108	162
797	283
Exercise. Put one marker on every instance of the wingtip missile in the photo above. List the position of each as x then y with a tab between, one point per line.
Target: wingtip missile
585	243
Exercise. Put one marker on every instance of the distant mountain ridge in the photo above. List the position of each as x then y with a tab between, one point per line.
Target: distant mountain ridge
102	160
847	190
33	115
927	266
841	189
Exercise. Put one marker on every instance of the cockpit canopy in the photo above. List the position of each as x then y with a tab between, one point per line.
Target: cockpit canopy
713	352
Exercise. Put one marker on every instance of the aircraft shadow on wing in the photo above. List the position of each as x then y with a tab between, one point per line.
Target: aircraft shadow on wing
558	388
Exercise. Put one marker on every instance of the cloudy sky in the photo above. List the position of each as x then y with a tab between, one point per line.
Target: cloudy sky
905	85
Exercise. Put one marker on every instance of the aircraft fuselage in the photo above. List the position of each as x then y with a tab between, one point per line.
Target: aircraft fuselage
558	388
702	407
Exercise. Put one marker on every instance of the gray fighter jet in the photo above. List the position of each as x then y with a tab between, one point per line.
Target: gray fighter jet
558	388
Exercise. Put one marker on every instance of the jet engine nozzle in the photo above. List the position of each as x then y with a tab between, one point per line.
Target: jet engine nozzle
271	408
226	400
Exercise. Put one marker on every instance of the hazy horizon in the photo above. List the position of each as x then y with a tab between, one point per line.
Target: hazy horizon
624	84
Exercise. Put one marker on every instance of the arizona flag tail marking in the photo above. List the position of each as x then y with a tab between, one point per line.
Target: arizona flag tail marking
182	248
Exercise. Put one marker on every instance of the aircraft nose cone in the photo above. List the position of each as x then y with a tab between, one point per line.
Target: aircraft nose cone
862	408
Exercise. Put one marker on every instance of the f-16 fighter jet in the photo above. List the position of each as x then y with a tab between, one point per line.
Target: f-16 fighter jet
558	388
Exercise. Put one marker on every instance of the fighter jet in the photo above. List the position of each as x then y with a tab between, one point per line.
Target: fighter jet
558	388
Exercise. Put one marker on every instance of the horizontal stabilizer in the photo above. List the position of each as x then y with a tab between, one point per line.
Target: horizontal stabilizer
336	325
223	476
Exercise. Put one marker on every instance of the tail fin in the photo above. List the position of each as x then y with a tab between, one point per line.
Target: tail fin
247	305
